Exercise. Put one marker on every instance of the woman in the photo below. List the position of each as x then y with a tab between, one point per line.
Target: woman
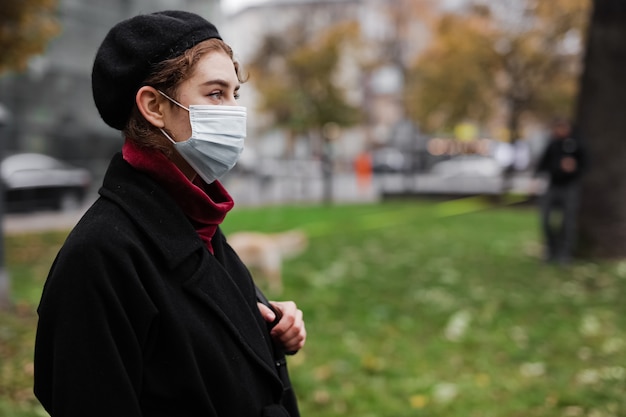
147	311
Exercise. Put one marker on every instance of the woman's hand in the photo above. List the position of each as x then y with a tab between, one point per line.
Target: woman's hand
289	332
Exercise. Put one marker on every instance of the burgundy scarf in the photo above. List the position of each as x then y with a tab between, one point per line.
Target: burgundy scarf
204	204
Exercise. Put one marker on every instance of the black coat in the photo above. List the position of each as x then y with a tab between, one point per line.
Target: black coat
552	156
138	318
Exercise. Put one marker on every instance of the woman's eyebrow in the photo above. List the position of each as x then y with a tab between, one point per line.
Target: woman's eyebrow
221	82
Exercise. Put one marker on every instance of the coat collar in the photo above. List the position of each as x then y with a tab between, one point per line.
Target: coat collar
152	209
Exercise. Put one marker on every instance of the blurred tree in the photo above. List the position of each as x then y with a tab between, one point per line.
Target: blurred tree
26	26
453	79
511	55
296	76
602	125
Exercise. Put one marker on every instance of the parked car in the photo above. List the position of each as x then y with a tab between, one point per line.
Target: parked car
389	160
468	166
36	181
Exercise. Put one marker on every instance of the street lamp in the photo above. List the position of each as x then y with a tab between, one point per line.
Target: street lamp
5	288
331	131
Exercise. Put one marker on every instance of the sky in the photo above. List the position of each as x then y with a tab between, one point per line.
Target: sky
233	6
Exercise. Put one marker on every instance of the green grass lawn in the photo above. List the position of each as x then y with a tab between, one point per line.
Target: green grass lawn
412	309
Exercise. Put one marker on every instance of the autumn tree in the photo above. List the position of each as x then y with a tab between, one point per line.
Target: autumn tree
508	58
600	118
26	26
453	79
296	75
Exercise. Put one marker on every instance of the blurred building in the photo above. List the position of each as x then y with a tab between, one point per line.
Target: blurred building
52	107
51	103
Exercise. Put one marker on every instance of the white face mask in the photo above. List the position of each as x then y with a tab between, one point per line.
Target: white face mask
216	142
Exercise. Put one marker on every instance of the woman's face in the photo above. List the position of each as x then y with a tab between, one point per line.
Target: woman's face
214	82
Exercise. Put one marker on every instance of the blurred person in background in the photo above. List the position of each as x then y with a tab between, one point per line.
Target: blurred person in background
563	161
147	310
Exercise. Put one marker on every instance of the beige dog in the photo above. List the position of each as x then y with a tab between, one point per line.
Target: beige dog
263	253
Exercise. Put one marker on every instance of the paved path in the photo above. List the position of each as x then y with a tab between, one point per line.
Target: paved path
39	221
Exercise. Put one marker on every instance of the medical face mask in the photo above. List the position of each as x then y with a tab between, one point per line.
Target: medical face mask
217	138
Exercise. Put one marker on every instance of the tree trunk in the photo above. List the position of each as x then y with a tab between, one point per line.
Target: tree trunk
601	120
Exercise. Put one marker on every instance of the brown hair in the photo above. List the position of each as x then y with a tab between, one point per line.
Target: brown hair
167	76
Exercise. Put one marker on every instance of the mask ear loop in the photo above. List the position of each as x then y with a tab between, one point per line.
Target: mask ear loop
179	105
168	136
172	100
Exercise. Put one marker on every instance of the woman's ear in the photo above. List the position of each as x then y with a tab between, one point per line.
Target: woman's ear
150	104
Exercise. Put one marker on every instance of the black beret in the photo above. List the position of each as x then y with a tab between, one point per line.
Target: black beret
131	49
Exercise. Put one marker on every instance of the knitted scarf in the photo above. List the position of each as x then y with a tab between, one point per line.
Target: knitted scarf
204	204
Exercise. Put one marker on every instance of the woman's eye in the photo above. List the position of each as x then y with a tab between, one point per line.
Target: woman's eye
222	95
237	95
